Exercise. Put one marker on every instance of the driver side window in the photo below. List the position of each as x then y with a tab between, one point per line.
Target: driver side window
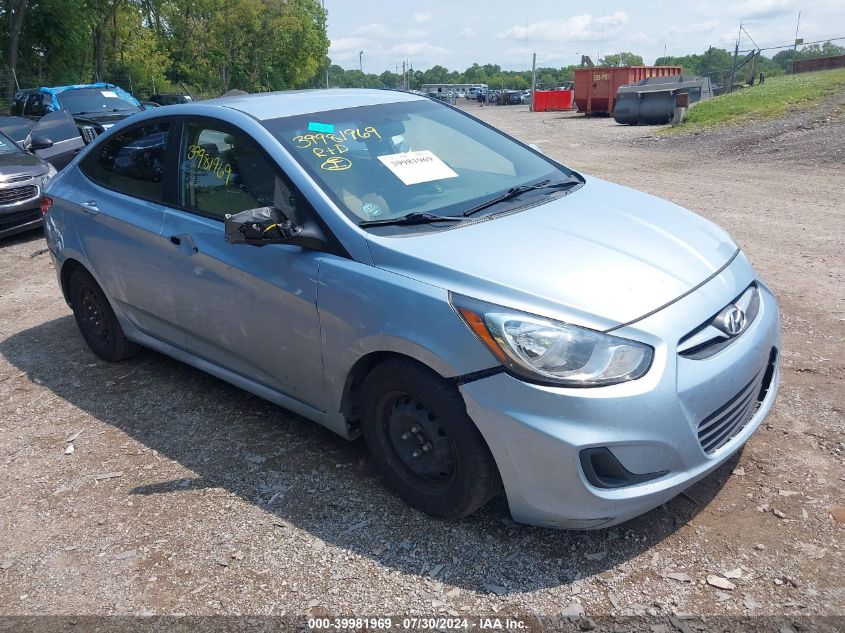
223	171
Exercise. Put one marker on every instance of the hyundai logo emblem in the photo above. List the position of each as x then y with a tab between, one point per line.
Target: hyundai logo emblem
732	320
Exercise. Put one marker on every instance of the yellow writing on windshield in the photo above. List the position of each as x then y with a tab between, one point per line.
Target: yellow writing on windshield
336	149
305	141
213	165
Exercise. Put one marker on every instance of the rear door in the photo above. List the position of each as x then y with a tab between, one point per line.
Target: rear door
250	310
59	129
118	215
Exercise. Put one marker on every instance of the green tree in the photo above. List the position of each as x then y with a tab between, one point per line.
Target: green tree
621	59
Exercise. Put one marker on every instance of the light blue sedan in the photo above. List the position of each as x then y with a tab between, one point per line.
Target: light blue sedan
387	265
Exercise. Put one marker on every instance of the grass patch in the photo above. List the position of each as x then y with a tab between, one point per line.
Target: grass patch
777	97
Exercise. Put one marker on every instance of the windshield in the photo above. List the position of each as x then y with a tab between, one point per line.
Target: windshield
94	101
8	146
385	161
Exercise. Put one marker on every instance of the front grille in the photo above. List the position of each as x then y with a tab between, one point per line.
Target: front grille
88	133
708	339
18	194
11	220
721	426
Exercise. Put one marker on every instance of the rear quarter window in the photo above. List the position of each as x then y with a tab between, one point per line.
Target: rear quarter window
132	162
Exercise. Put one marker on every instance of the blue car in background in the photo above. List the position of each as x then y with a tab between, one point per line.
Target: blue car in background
389	266
95	107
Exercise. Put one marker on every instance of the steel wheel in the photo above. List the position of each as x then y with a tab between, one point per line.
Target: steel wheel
419	442
422	441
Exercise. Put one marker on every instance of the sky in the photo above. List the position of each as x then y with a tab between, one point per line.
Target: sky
457	33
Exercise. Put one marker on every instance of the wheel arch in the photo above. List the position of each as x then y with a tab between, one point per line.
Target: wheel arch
355	378
69	266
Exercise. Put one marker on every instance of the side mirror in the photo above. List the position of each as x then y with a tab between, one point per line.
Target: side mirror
268	225
257	227
40	142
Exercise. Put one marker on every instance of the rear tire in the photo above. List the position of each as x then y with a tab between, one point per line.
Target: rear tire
422	440
96	320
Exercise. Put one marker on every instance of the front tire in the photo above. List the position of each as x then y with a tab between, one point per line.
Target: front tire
96	320
423	442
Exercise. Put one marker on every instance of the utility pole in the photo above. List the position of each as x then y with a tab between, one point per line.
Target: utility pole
328	61
601	46
361	66
404	81
736	54
533	79
795	45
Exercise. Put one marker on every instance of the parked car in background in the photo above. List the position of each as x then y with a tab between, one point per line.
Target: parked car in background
54	137
484	316
94	107
23	176
170	98
440	96
511	97
525	97
16	127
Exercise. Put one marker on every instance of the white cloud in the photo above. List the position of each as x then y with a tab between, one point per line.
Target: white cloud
468	32
416	48
764	8
518	51
419	18
580	28
373	30
690	28
344	44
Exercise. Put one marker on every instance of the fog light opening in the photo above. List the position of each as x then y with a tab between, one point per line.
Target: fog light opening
603	470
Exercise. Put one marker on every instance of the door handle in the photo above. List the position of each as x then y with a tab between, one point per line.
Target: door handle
185	243
90	207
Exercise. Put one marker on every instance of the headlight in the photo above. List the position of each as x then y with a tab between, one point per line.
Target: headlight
543	350
51	172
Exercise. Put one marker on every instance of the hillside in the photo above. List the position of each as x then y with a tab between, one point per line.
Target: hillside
777	97
796	118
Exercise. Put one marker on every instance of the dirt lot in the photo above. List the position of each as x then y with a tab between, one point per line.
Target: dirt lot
185	495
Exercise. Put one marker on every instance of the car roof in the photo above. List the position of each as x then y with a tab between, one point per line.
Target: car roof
60	89
273	105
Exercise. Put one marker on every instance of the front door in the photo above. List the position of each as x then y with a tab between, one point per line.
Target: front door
60	130
250	310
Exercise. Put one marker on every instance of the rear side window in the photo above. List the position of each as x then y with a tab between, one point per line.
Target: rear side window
35	105
132	162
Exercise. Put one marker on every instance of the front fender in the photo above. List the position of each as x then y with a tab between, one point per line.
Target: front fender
364	309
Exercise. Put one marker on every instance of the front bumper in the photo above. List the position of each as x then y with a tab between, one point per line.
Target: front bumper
18	218
536	433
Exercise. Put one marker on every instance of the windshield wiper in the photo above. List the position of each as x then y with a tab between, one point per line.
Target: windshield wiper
412	218
513	192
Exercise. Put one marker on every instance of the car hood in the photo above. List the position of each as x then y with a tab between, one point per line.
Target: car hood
601	256
106	119
20	163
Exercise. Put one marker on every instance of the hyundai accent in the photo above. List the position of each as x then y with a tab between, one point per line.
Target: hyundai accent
389	266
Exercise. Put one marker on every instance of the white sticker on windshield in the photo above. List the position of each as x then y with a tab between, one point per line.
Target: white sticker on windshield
109	94
416	167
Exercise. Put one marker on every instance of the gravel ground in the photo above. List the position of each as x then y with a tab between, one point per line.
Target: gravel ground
185	495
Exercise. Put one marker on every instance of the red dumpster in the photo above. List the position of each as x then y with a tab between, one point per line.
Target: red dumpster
551	100
595	88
